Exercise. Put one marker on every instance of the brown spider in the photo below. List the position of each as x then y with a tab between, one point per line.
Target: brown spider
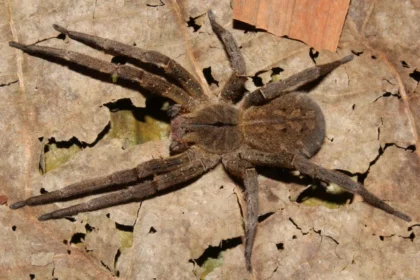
273	126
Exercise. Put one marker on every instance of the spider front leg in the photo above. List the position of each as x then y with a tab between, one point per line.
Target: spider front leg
153	83
169	66
234	87
305	166
275	89
244	170
179	174
105	183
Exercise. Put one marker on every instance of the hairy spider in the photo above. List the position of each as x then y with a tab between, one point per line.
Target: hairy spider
272	126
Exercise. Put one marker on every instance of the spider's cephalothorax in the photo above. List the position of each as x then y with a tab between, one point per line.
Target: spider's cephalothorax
214	128
273	126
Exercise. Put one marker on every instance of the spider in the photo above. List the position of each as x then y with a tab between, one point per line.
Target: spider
275	125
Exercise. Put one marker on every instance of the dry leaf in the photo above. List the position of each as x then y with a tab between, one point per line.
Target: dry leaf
370	106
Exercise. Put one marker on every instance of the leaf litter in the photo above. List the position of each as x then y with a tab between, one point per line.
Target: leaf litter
162	237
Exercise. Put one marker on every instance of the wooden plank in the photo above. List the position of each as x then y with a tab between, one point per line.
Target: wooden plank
318	23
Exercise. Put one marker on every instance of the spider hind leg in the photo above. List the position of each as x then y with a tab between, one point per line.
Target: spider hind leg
305	166
245	170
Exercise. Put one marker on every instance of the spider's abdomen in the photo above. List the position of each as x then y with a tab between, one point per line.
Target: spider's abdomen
291	123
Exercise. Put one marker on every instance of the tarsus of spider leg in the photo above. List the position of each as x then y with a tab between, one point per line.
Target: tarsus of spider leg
251	188
275	89
305	166
155	84
18	204
167	64
143	170
130	194
140	191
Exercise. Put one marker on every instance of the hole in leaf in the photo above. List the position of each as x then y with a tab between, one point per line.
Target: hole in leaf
356	53
263	217
313	54
214	252
415	75
61	36
209	77
71	219
280	246
119	59
276	71
56	153
316	195
124	227
117	256
156	5
32	276
42	191
14	228
104	265
152	230
373	57
412	236
404	64
193	24
77	238
89	228
411	148
257	80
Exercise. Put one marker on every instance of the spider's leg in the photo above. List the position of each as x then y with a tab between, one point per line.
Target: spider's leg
305	166
169	66
105	183
151	82
244	170
141	191
275	89
234	87
251	186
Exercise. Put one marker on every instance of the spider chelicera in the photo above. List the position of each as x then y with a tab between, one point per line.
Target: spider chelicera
273	126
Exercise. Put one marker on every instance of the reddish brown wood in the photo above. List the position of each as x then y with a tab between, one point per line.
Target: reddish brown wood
3	199
318	23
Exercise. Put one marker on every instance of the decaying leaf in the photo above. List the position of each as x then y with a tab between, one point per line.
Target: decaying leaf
371	109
